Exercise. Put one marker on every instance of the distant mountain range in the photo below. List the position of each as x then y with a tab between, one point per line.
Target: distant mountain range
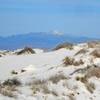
39	40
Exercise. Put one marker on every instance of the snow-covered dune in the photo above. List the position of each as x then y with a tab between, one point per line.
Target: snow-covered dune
11	62
62	74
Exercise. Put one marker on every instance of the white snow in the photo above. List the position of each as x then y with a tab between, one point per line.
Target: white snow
45	77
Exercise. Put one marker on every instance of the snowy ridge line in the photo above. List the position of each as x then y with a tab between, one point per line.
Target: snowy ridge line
54	75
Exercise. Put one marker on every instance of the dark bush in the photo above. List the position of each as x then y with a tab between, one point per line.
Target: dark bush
11	82
26	50
14	72
71	61
66	45
68	61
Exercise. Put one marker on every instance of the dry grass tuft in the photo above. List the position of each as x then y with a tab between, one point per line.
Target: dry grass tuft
93	44
40	87
82	51
66	45
89	86
68	61
82	79
8	90
55	79
8	87
96	53
11	82
13	72
93	72
26	50
43	85
71	96
71	61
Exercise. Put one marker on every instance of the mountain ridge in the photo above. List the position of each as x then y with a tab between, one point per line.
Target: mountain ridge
39	40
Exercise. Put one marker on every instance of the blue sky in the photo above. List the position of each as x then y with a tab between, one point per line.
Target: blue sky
76	17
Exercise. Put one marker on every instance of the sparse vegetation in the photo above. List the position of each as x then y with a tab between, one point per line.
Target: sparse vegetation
93	44
71	96
66	45
8	87
43	85
71	61
68	61
26	50
96	53
71	78
13	72
23	70
11	82
40	87
7	90
55	79
89	86
93	72
83	79
82	51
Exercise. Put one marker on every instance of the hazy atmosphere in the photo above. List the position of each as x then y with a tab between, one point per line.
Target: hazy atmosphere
49	49
75	17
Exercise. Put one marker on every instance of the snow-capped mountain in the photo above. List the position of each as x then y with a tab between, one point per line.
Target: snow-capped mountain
40	40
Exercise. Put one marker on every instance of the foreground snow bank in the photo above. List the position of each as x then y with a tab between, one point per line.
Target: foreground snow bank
45	76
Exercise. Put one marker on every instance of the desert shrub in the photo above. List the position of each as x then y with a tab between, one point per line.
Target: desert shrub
42	87
8	90
68	61
90	87
11	82
8	87
93	72
96	53
66	45
93	44
83	79
23	70
71	61
57	78
14	72
71	96
82	51
77	78
26	50
38	86
36	82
